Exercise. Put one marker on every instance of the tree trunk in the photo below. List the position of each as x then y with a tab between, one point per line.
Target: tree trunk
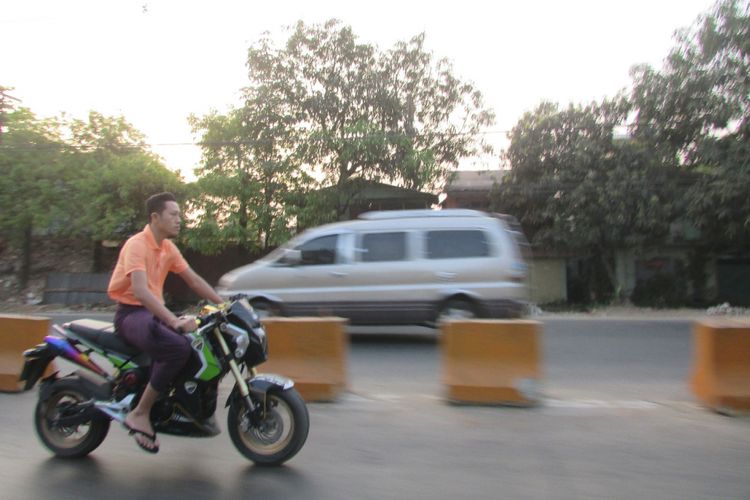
696	271
612	277
602	283
97	264
25	271
243	185
267	221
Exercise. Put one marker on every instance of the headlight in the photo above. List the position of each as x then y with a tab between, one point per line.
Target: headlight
261	333
240	336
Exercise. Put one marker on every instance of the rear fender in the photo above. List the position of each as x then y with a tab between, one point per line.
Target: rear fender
91	385
36	362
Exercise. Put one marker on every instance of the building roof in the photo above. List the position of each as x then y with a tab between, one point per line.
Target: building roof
380	191
376	191
473	180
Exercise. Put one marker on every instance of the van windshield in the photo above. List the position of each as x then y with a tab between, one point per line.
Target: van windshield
315	251
278	252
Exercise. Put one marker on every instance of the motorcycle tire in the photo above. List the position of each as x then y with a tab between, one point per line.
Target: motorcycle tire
68	442
279	436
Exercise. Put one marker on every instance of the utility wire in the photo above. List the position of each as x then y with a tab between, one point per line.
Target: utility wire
52	145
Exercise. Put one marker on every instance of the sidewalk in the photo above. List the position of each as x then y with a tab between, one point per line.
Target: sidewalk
635	313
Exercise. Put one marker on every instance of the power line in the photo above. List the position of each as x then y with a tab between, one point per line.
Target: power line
245	142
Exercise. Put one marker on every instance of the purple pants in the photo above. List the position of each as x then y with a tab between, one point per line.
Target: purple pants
168	350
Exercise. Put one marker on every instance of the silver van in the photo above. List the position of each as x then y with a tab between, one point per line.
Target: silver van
393	267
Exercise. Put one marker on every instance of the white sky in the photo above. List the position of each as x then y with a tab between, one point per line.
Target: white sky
157	61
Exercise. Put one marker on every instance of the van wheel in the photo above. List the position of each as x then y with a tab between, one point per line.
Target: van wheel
457	309
265	308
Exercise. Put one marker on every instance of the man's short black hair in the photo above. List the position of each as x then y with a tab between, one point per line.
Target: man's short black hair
157	203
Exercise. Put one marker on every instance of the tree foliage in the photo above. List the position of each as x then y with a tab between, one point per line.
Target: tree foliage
360	113
33	188
576	188
250	179
7	104
696	111
703	87
114	175
87	179
32	182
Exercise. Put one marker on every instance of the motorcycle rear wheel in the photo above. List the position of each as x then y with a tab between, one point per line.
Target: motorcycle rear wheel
73	441
279	436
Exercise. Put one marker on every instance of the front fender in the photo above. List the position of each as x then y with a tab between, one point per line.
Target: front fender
260	385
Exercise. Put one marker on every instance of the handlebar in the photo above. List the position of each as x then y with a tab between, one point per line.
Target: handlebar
208	311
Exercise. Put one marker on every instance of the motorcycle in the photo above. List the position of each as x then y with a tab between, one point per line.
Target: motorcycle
267	418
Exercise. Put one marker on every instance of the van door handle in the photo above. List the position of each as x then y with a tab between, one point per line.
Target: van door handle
339	274
446	276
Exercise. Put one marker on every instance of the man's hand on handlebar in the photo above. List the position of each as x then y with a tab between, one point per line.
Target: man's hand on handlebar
185	324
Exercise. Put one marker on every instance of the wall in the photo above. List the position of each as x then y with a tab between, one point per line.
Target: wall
548	280
628	263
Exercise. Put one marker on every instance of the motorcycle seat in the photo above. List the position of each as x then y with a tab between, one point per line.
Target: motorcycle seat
103	334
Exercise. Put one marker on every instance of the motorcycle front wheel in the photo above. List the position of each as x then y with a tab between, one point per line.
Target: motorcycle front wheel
67	441
278	436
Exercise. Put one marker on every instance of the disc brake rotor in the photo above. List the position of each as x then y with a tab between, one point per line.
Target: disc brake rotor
63	433
269	430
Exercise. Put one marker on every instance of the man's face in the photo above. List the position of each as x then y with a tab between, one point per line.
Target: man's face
168	221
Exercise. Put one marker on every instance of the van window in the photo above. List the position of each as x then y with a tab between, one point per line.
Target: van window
319	251
383	247
453	244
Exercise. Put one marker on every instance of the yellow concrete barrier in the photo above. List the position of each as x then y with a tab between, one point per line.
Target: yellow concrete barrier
721	364
18	333
312	352
491	361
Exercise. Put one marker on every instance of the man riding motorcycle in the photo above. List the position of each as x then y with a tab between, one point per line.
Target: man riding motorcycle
141	318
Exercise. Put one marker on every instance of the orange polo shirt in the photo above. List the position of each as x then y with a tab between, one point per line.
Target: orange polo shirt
141	253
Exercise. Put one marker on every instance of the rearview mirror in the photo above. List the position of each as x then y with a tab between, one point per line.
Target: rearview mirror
290	257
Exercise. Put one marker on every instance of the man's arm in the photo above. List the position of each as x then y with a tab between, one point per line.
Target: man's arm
139	285
199	286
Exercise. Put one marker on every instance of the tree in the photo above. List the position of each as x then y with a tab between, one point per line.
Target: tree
33	184
359	113
696	111
7	103
250	178
114	174
574	187
686	160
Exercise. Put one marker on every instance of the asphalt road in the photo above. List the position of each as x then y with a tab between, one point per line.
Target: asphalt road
618	422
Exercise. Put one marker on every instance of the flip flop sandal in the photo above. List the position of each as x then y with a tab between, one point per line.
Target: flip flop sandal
150	437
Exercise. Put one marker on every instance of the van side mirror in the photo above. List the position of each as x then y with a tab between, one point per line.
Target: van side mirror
290	257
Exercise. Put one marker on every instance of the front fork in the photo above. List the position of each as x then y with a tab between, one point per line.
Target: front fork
241	383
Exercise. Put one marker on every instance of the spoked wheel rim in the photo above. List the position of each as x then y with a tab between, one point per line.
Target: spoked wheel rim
63	436
273	433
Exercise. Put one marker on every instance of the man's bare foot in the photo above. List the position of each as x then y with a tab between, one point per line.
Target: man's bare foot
140	427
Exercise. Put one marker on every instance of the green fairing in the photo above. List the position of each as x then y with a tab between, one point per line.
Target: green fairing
120	362
210	368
